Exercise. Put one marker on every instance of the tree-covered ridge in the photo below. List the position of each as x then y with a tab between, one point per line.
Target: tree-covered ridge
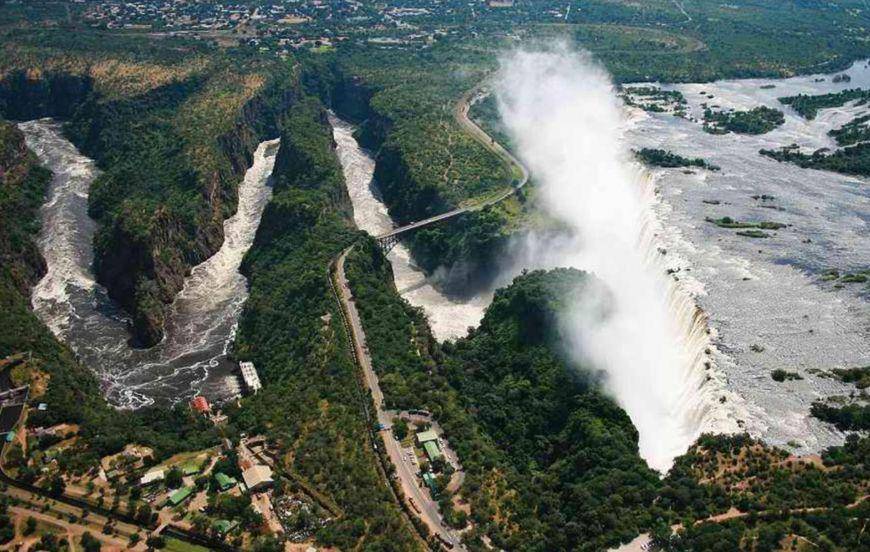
550	462
808	105
574	451
291	328
173	128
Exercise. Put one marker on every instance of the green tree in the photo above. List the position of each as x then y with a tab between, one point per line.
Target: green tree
174	478
400	428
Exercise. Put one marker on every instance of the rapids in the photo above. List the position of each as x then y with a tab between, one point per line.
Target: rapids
726	292
449	317
200	328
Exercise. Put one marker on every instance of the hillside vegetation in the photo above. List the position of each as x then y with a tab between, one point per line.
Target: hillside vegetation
291	328
550	461
172	126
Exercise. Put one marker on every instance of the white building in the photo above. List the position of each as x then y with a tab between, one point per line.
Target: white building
152	477
250	377
258	477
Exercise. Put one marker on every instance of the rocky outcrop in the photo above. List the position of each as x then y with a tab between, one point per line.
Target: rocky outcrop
23	183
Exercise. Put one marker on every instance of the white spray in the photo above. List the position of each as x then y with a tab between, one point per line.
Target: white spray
567	122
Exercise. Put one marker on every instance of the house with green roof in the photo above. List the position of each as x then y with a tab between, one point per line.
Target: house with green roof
426	436
180	496
224	526
224	481
429	480
432	451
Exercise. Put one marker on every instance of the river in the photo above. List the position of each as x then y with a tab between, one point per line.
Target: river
449	317
201	323
768	305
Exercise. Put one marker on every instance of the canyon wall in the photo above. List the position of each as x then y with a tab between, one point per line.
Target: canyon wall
150	236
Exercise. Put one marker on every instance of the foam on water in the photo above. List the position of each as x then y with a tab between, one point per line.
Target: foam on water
62	235
723	294
448	317
768	292
201	322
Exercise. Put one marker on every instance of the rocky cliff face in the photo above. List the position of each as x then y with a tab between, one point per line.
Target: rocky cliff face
144	272
146	246
23	184
31	94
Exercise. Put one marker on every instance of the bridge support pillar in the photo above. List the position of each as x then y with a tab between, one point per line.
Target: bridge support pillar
387	243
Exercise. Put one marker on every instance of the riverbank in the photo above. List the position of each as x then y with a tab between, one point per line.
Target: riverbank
192	357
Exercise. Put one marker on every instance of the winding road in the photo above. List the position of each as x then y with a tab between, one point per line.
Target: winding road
418	500
460	113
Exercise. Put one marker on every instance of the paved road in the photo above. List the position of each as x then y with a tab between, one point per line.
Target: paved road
460	113
405	469
427	508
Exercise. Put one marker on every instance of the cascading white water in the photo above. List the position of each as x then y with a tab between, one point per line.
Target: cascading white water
201	322
566	120
448	318
65	238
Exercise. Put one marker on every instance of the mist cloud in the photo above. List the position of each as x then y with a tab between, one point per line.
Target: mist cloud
566	120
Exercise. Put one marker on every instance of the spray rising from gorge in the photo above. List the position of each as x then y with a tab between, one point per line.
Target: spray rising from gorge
566	121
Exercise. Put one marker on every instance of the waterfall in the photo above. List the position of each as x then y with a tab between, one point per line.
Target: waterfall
653	345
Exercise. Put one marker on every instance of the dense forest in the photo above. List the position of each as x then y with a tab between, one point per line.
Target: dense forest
312	404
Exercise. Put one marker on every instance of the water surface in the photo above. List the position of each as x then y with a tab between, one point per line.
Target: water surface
201	322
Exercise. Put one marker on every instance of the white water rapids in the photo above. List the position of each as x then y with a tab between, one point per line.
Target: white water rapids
201	322
449	318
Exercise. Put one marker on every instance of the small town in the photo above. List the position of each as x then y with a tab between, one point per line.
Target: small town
235	493
281	27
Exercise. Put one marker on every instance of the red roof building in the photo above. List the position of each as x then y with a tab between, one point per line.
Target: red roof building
200	404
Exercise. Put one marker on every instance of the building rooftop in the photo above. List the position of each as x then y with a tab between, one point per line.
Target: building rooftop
151	477
424	436
250	377
200	404
257	475
180	495
431	450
